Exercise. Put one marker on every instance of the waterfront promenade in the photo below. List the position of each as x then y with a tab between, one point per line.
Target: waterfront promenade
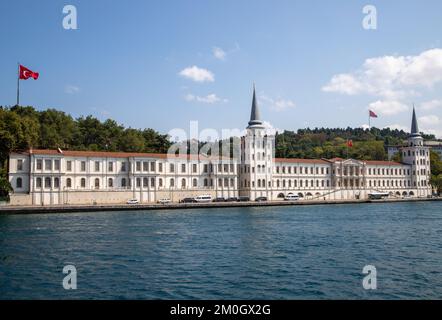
7	209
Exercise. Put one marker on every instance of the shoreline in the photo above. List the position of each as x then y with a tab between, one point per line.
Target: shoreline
8	210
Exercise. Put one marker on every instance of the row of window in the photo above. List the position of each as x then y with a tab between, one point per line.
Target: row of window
302	170
261	183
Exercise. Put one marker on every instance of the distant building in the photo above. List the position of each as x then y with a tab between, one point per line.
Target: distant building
436	146
56	177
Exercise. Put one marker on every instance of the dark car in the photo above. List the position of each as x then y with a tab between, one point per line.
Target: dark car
261	199
188	200
244	199
219	199
232	199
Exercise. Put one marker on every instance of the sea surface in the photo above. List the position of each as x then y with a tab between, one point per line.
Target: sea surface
298	252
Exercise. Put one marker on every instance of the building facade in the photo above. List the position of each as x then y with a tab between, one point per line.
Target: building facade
57	177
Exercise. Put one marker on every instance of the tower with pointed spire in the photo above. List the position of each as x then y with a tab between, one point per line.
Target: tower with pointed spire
417	156
257	154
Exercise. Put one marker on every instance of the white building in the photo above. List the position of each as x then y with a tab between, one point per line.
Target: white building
56	177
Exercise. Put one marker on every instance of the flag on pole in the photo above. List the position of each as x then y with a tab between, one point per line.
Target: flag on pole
372	114
349	143
25	73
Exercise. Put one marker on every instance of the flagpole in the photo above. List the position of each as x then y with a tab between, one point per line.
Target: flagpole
18	83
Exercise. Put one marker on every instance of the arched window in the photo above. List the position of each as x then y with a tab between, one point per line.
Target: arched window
195	183
152	182
83	183
232	183
123	183
183	183
47	182
110	183
56	183
145	182
226	182
259	183
19	183
138	182
220	182
205	182
97	183
172	182
38	183
160	182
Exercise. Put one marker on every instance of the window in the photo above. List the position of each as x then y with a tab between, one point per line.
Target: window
160	167
38	183
152	182
152	166
138	165
123	182
19	165
68	183
195	183
231	168
97	166
39	164
206	183
183	168
232	182
206	168
56	183
97	183
110	166
145	166
48	165
145	182
172	167
138	182
160	182
68	165
47	182
183	183
194	168
83	182
83	166
19	183
123	167
57	164
110	183
172	182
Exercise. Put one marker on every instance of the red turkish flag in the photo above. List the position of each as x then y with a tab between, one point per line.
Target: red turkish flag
372	114
349	143
25	73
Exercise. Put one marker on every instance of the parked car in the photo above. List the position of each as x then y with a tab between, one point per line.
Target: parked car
203	198
261	199
232	199
164	201
132	201
291	197
219	199
188	200
244	199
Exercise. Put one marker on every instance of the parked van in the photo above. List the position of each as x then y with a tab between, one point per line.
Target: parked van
203	198
291	197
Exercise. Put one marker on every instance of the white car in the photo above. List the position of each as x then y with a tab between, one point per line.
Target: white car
132	201
164	201
291	197
204	198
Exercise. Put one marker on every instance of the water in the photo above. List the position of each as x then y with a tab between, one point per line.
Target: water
299	252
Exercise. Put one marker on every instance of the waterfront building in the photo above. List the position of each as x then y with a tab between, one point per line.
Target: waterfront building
61	177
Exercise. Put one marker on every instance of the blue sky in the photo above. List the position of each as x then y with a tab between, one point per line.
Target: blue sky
314	65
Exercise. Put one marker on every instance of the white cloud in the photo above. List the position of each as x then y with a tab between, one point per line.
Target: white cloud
197	74
430	105
209	99
391	77
430	120
219	53
70	89
277	104
436	132
387	108
270	129
365	126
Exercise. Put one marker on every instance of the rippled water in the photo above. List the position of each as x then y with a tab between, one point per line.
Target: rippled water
239	253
